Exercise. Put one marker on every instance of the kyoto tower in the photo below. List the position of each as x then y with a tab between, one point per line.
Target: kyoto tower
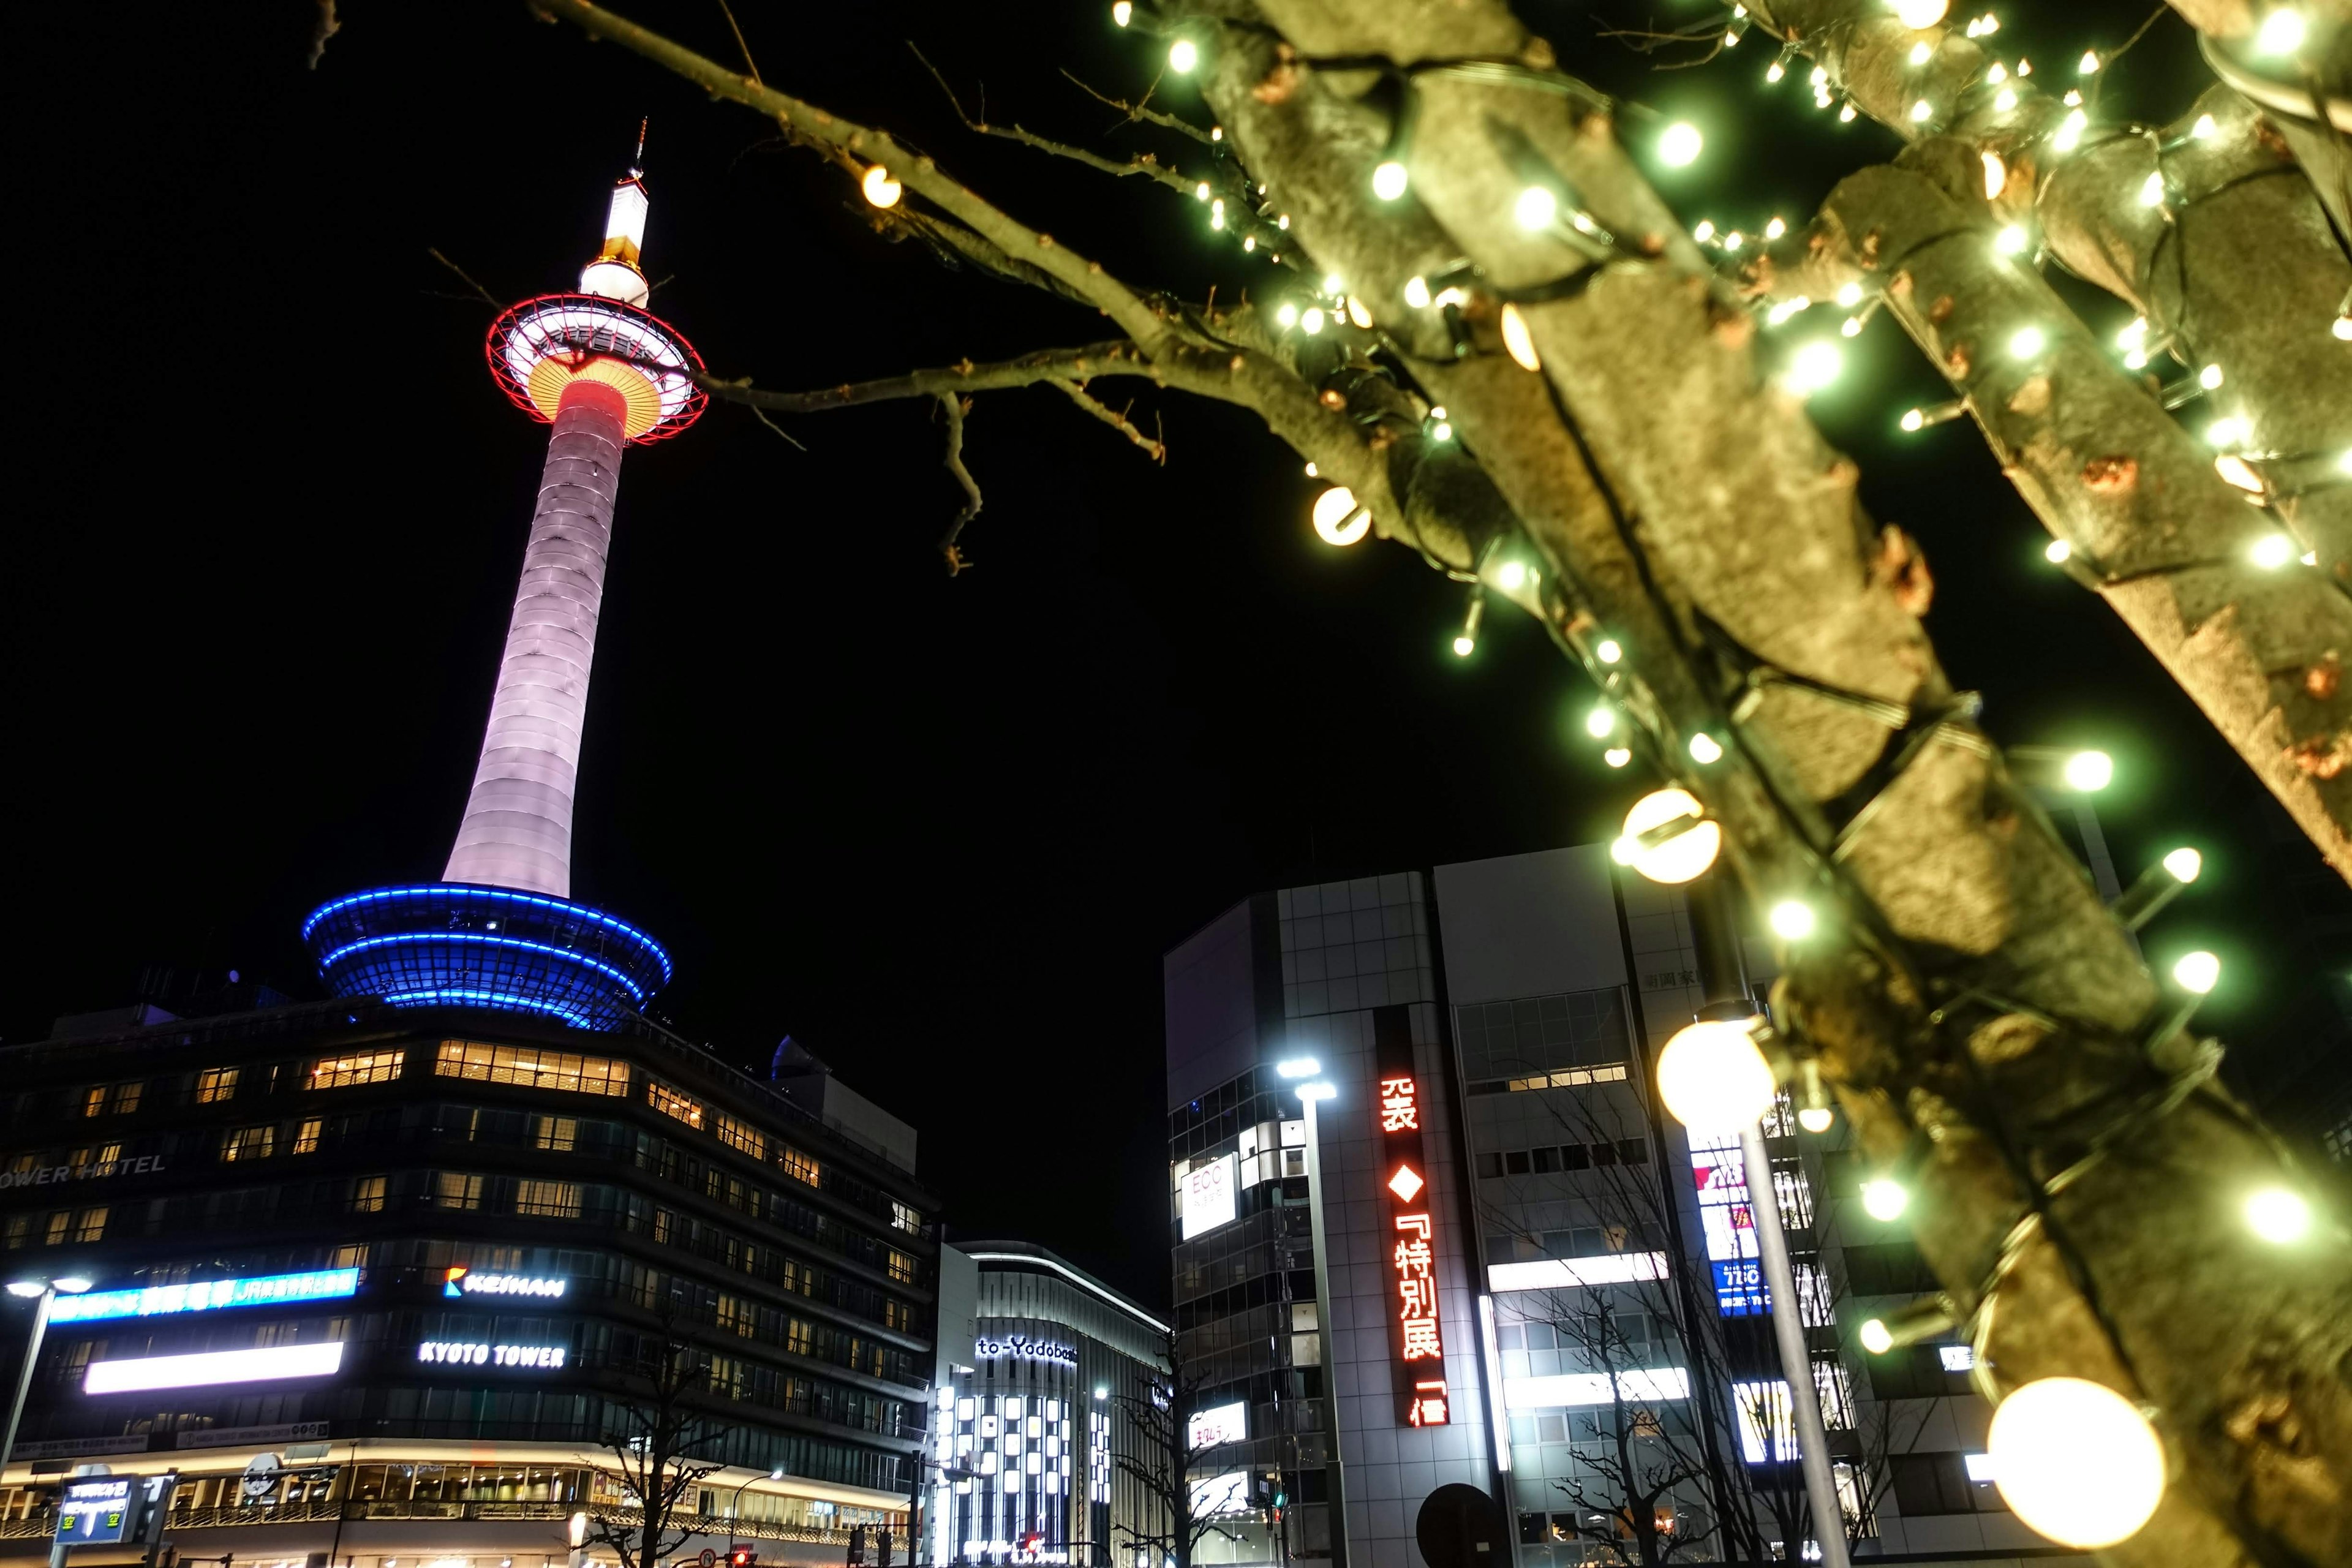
500	929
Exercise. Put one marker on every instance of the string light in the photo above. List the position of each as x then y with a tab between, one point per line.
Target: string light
1845	115
2231	430
1851	327
1359	314
1775	230
2057	551
1679	144
2198	972
1182	56
1705	231
2281	33
2151	190
1884	1198
1617	756
1287	315
2088	771
2278	1215
2184	864
1441	431
2341	328
2089	64
1921	54
1310	321
1667	838
2027	341
1849	295
1416	293
1338	520
1536	208
1705	749
1123	11
2203	129
2076	1461
1608	651
880	187
2271	550
1734	240
1200	192
1389	180
2004	100
1914	419
1465	641
2012	239
1918	14
2069	134
1517	341
1513	576
1816	365
2210	377
1791	919
1996	176
1713	1078
1996	73
1600	723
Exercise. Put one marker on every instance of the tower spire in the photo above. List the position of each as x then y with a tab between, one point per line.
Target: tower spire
618	270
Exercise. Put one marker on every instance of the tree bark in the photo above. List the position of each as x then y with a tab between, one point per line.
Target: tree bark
1968	990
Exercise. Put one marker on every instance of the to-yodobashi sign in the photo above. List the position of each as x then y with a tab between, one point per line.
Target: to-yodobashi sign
1023	1348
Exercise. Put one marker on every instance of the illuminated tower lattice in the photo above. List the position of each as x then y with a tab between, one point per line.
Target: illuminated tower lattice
500	929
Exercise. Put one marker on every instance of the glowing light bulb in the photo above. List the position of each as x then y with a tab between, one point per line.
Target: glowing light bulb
1996	176
1123	11
1705	231
1775	230
2089	64
1821	76
1441	431
1608	651
1465	646
2069	134
2058	552
2073	99
2341	329
2228	431
2151	190
1920	13
1791	919
880	187
1359	313
1816	1118
2203	129
1680	144
1217	215
2278	1215
1200	192
1851	327
1775	71
1182	56
1249	242
1536	208
1600	723
1617	756
1914	419
1713	1078
1734	240
1416	293
1845	115
1996	73
2271	550
2076	1461
1921	54
1815	366
2281	33
1512	576
2011	240
1678	858
2004	100
1876	1338
2089	770
1338	520
1310	321
1885	1198
2238	473
2199	972
1287	316
2210	377
1849	295
1922	111
2184	863
2027	341
1517	341
1389	180
1705	749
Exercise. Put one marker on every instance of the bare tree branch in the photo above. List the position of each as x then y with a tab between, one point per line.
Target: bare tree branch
1140	111
953	408
1144	163
1116	420
484	295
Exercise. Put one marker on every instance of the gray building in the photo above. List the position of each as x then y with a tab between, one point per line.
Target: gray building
1595	1272
1042	1370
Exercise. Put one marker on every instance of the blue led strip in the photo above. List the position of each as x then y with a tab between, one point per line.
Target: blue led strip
205	1295
634	989
463	893
499	999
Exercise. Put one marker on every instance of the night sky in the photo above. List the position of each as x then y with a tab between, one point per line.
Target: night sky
267	512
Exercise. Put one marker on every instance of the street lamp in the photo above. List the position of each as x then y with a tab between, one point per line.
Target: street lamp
1311	1094
735	1508
43	1293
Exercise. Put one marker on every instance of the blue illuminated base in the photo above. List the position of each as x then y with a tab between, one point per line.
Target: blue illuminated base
448	946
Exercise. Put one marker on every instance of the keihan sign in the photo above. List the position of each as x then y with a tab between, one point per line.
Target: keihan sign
1025	1349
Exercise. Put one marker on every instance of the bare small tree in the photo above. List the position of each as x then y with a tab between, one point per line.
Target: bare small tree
1648	1455
1161	1463
657	1439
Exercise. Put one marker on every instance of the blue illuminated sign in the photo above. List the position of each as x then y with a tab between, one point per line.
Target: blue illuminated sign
205	1295
1739	1289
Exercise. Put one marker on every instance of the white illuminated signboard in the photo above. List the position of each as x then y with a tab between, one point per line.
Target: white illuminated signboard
1219	1424
1021	1347
1216	1495
468	1282
469	1352
1209	1195
210	1367
206	1295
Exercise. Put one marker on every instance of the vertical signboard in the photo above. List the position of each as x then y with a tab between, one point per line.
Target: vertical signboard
1420	1335
1729	1225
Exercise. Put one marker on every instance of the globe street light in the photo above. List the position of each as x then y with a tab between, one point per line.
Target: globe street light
42	1292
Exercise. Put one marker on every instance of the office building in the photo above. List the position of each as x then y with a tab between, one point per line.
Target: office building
1044	1446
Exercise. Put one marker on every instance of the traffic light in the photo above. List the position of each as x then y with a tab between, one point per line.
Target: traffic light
856	1545
742	1557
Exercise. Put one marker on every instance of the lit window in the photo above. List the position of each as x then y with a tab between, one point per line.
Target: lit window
89	1225
456	1190
368	1194
93	1101
368	1066
215	1084
532	1069
546	1200
797	1165
58	1224
670	1103
306	1141
249	1143
906	1219
902	1267
735	1134
557	1133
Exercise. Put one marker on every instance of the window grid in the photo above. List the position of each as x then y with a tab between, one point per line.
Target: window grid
368	1066
532	1069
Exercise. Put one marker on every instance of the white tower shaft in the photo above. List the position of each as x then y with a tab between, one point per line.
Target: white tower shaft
517	832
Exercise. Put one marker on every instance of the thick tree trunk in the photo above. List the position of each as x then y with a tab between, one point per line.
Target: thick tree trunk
1968	990
2236	267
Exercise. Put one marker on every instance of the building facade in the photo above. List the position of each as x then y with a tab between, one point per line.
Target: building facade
1041	1456
420	1259
1601	1267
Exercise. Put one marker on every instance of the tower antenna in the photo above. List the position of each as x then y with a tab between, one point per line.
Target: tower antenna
639	161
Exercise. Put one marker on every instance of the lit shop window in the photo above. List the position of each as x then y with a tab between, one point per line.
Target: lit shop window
249	1143
343	1072
531	1068
545	1200
368	1194
215	1084
670	1103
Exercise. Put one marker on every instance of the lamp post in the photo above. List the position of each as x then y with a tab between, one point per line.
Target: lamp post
44	1292
735	1508
1311	1093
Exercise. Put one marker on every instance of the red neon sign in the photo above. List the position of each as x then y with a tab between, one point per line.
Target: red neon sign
1412	1257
